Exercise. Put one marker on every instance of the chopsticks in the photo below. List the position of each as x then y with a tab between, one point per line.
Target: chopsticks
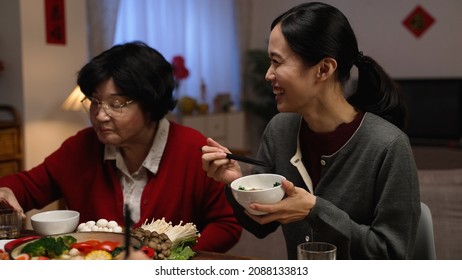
128	229
248	160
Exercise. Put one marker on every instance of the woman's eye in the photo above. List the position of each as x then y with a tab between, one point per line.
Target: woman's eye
115	104
275	62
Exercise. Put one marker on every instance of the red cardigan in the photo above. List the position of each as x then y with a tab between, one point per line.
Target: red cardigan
180	191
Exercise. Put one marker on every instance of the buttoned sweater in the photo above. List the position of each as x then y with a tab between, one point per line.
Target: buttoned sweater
180	191
367	199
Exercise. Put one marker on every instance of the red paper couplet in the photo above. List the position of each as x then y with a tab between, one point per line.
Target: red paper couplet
55	22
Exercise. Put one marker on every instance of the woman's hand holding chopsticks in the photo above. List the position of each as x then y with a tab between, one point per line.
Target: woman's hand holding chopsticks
216	163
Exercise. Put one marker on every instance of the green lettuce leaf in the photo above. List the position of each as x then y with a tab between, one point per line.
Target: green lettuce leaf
183	251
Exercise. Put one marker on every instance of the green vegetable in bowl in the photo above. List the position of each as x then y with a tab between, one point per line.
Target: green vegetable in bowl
241	188
49	246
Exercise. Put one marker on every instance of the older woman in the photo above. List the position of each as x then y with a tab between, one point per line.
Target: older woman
132	155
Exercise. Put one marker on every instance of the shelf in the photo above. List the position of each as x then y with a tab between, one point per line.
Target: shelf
11	155
228	129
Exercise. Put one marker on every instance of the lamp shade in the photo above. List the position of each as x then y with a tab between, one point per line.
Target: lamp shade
73	101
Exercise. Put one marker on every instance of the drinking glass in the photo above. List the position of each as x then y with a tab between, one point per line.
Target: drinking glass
10	224
316	251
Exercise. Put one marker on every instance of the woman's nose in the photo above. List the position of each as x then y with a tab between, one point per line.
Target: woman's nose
101	113
269	76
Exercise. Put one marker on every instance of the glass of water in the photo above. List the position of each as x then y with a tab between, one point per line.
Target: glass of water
10	224
316	251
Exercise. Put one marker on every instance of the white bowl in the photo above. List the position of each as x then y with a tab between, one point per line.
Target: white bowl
266	192
55	222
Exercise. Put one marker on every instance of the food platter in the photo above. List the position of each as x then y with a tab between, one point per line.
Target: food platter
15	247
157	239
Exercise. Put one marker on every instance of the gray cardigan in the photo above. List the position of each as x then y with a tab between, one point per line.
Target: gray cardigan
367	201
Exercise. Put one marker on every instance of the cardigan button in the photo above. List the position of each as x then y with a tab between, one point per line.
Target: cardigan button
323	162
145	202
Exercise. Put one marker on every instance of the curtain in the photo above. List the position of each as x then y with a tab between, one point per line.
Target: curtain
204	32
102	17
244	10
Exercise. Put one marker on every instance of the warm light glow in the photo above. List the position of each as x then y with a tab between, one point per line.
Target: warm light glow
73	101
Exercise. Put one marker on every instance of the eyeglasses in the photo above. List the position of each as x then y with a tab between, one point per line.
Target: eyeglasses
112	107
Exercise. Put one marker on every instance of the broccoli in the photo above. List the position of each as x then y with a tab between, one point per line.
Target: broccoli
35	249
49	246
67	240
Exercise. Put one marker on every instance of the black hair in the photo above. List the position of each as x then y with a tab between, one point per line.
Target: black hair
317	30
139	71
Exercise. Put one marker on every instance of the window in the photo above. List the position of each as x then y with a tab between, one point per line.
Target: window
204	32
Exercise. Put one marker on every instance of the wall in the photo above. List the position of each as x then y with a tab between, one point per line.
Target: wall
10	55
380	33
49	76
38	76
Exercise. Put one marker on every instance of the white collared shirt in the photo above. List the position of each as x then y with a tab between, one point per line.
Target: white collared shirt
133	184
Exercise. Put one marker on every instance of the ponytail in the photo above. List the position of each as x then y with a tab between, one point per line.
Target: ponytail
317	30
377	93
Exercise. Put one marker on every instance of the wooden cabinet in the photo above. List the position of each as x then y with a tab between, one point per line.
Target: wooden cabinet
228	129
11	156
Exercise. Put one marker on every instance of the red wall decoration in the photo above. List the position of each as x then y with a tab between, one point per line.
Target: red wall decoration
55	22
418	21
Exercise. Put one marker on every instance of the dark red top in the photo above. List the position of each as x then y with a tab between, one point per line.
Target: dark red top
313	145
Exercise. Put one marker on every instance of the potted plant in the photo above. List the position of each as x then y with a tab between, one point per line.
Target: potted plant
260	99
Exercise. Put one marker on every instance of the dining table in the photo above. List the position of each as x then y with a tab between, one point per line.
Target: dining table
206	255
27	234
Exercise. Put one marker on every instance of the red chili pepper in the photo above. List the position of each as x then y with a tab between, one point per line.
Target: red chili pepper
93	242
148	251
83	247
86	247
107	246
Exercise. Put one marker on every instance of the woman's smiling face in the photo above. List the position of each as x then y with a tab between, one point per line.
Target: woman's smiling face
291	79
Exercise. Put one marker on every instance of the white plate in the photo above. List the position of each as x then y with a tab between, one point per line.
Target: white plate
3	242
82	236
